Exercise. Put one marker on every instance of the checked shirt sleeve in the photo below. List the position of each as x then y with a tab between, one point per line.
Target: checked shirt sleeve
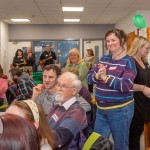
25	90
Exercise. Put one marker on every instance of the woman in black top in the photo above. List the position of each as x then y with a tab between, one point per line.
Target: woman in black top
29	57
139	51
19	60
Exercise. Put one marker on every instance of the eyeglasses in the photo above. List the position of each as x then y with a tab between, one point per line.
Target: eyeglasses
1	128
147	48
63	87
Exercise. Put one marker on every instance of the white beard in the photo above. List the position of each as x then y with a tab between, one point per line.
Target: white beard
59	98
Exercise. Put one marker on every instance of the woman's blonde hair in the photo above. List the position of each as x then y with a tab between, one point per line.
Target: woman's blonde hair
44	131
137	44
74	50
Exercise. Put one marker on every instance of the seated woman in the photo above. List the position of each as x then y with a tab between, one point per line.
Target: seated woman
76	65
32	112
17	133
3	87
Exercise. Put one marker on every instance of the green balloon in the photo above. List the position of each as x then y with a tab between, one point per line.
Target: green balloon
139	21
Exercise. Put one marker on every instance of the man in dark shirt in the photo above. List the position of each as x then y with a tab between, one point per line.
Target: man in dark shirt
48	56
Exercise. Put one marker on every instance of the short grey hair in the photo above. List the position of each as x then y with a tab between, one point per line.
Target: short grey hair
75	80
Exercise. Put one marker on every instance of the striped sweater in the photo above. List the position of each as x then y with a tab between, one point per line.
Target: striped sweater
117	90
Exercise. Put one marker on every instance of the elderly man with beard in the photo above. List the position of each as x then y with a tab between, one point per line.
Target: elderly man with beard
68	117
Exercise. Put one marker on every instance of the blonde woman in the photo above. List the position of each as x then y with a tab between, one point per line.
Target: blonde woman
139	51
76	65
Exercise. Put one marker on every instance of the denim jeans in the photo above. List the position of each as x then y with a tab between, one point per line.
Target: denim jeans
116	121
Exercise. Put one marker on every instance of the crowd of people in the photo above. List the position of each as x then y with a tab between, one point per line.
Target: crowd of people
60	114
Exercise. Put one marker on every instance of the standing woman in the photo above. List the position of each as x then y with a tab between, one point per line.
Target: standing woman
89	59
76	65
114	75
18	60
29	57
139	51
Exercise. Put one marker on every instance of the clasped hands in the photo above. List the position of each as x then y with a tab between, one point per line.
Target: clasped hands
101	74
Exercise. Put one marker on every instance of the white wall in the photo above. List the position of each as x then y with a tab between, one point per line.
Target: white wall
43	32
127	24
4	45
146	15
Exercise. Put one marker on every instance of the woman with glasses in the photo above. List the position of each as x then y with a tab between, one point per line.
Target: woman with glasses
139	51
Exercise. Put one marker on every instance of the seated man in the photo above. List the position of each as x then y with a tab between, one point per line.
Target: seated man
67	118
44	94
24	83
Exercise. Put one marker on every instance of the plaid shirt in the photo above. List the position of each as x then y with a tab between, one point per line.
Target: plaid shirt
25	88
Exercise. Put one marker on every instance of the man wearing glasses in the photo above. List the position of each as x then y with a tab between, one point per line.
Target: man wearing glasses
68	117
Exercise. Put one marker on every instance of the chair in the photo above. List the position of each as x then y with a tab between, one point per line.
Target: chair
97	142
38	77
3	107
27	69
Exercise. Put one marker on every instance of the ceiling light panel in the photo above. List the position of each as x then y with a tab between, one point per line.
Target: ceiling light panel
20	20
71	20
72	8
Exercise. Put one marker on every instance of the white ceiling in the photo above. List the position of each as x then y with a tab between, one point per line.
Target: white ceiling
50	11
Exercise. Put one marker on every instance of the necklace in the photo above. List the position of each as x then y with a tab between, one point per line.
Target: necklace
114	57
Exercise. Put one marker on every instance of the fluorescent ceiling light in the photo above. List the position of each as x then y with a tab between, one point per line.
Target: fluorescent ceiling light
71	20
72	8
20	20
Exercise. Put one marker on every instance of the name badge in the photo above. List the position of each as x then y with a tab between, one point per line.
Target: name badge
55	117
112	68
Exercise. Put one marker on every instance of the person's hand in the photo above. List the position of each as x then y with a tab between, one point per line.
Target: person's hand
102	71
73	70
146	91
14	100
63	70
37	90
